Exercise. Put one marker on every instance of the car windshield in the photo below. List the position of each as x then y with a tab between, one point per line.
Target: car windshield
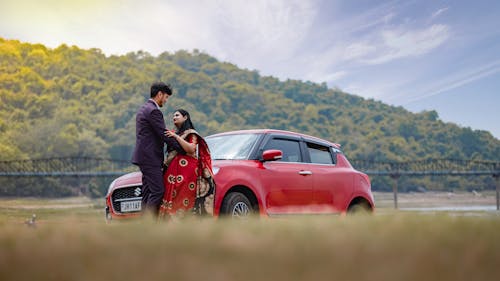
231	147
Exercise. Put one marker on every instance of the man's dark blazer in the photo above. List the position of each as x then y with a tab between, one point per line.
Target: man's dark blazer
150	136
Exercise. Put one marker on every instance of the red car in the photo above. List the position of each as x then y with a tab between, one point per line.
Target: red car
269	172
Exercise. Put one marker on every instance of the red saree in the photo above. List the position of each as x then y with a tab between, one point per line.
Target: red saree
188	179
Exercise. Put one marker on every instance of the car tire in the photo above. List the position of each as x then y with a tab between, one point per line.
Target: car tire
236	205
359	209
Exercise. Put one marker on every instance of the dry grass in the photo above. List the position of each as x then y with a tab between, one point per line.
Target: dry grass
75	244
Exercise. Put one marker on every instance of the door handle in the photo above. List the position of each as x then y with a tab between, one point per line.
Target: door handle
305	173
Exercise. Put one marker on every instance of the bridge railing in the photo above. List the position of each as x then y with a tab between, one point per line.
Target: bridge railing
104	167
65	166
428	167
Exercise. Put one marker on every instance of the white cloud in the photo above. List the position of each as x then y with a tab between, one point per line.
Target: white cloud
400	43
262	32
387	90
358	50
320	77
439	12
240	31
374	37
456	80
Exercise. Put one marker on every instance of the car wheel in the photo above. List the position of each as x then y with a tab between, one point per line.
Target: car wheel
236	205
359	209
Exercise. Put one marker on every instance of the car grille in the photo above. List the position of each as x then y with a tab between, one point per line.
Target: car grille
123	193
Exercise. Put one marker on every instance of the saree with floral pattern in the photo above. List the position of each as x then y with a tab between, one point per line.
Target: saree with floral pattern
188	178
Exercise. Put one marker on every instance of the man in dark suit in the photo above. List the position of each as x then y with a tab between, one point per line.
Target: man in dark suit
149	145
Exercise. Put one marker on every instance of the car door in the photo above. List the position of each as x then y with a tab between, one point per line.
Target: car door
331	184
287	182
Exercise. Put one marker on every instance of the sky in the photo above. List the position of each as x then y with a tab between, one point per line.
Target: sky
421	55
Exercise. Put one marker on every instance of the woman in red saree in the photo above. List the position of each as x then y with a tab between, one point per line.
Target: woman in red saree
188	177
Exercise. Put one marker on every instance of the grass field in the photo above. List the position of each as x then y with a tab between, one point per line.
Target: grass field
72	242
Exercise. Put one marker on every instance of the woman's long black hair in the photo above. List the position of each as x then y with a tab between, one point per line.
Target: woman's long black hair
187	124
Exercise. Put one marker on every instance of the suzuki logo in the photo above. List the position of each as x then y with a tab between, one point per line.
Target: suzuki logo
137	191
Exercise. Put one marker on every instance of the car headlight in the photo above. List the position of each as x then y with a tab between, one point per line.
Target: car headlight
111	186
215	170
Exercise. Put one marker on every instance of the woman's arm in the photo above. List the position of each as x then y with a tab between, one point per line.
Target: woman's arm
189	147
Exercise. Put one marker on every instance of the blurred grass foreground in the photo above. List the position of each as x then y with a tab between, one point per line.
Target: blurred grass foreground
70	241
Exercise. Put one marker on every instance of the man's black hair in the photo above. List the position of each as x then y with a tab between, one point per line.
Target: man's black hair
160	86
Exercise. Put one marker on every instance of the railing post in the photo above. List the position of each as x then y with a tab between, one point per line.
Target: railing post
395	177
497	178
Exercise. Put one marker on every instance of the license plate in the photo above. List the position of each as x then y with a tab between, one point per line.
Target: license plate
130	206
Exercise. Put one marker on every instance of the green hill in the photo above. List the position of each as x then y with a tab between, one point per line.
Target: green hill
73	102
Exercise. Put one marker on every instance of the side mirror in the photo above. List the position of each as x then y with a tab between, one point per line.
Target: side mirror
272	155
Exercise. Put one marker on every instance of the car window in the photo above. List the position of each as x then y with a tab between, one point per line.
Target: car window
290	149
231	147
319	154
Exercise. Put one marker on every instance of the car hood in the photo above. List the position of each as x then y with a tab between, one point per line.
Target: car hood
129	179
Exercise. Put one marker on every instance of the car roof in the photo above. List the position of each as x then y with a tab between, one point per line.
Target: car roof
275	131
